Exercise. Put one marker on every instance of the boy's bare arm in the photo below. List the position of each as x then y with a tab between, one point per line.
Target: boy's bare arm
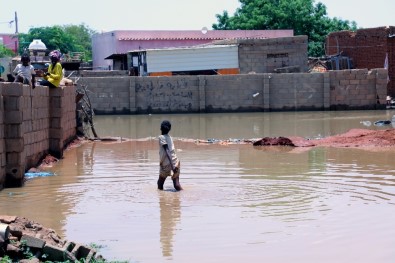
166	147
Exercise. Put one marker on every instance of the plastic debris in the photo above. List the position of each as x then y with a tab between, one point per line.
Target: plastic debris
37	174
381	123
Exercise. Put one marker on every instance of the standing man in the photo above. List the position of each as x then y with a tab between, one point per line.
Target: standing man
168	160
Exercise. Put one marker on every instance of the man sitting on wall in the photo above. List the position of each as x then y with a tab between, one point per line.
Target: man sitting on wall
24	72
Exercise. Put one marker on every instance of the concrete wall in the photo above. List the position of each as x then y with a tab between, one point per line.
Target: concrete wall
266	55
334	90
2	143
367	48
33	123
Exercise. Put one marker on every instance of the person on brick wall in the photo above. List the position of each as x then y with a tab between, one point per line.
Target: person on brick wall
24	72
54	74
168	160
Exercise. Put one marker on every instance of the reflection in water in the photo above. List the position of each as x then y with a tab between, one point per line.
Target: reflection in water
240	203
170	215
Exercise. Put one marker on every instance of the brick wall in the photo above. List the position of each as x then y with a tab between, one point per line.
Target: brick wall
334	90
36	122
367	48
2	143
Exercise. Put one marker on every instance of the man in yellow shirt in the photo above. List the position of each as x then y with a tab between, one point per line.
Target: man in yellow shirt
54	74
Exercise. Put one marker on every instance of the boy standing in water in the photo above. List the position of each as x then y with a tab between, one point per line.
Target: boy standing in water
168	160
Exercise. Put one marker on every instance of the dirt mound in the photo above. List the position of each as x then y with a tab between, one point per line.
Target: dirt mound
352	138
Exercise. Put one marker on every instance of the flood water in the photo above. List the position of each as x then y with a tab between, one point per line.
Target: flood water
240	204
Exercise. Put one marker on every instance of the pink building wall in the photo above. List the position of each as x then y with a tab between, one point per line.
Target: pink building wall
123	41
10	42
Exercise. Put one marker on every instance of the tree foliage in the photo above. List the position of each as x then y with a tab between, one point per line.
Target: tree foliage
303	16
5	52
67	38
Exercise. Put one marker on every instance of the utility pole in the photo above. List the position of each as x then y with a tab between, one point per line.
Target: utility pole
16	23
16	33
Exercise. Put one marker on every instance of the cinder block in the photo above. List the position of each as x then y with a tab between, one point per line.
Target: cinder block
12	89
83	252
14	145
54	253
33	242
12	117
12	103
58	92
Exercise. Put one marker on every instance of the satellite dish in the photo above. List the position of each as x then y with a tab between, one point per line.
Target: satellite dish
204	30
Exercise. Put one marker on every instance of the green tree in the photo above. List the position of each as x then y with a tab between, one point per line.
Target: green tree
68	38
6	52
82	39
303	16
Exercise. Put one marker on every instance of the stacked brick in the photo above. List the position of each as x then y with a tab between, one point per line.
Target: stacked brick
33	120
354	89
344	89
367	48
62	114
267	55
2	143
112	94
297	92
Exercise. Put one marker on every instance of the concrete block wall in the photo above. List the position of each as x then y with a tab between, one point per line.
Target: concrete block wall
367	48
335	90
303	91
33	118
2	143
357	89
62	116
265	55
165	94
234	93
112	94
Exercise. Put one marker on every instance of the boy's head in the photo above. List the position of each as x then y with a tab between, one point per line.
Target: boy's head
165	127
25	59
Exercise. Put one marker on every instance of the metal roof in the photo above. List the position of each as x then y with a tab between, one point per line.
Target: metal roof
205	46
200	35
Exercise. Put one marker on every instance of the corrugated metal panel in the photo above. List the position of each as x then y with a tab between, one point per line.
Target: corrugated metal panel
187	59
127	35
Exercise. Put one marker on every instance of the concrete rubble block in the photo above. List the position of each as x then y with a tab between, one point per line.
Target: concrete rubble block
33	242
16	231
12	250
83	252
7	219
54	253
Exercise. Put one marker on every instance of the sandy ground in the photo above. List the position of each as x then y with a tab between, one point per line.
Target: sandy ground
352	138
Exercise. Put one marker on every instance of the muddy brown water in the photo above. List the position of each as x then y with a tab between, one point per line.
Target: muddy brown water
240	204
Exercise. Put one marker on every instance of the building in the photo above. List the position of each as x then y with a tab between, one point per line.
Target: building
109	49
368	48
198	60
282	54
10	41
